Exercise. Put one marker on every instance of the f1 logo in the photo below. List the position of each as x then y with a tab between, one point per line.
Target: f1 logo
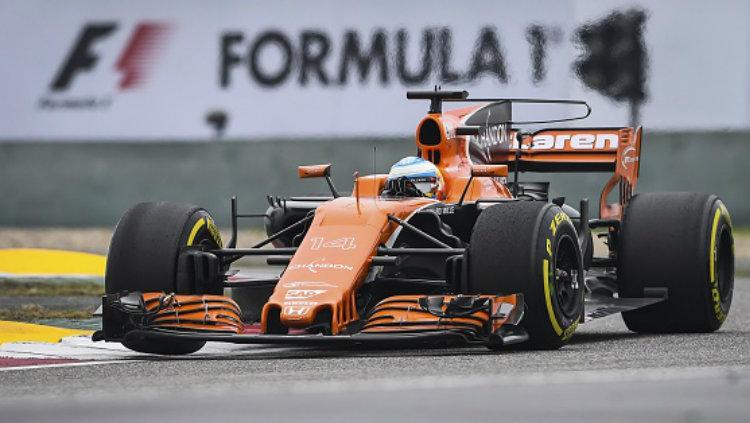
139	52
81	58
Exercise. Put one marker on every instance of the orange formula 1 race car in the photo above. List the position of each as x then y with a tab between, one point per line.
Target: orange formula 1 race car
446	249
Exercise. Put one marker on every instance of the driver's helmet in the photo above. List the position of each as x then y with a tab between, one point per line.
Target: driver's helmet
414	177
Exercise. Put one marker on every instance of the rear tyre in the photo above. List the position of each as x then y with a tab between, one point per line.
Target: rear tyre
143	257
683	242
531	247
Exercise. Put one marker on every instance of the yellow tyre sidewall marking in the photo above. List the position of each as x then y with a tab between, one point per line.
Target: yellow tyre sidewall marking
548	298
214	231
715	295
210	226
197	227
712	252
567	332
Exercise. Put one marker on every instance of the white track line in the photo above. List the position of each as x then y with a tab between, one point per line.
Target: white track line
83	348
77	364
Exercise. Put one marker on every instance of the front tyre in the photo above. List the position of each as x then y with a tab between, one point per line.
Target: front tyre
531	247
146	244
143	256
683	242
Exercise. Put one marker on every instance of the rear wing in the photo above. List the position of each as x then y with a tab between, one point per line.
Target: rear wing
490	131
616	150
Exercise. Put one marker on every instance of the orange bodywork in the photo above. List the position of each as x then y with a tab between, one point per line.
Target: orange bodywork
627	168
403	313
314	171
334	258
206	313
497	171
455	163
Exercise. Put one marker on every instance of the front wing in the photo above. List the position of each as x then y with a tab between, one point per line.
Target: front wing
406	321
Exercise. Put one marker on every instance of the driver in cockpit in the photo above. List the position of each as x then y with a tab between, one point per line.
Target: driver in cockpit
414	177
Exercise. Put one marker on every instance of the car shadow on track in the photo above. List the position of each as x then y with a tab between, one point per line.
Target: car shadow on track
272	352
297	353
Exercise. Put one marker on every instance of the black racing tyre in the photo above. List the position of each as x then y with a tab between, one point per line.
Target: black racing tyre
144	248
531	247
143	256
683	242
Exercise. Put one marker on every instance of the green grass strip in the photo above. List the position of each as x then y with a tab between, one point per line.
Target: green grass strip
15	288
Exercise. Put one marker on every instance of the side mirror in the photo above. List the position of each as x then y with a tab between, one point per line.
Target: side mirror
318	171
483	171
314	171
488	171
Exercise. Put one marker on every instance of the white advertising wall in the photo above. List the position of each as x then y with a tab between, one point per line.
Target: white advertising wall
155	69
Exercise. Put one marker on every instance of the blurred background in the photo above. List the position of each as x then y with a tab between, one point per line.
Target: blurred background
105	104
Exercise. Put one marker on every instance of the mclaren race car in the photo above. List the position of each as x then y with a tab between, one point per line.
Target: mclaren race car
448	248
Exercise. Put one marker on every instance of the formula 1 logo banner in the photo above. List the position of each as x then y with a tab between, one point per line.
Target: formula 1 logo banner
133	63
146	70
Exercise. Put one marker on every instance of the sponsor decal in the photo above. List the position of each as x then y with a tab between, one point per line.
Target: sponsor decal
578	141
321	264
296	313
303	294
570	330
345	243
134	62
560	142
301	303
628	156
441	209
559	218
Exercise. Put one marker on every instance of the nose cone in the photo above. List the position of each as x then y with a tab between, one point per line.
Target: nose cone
329	266
323	275
322	278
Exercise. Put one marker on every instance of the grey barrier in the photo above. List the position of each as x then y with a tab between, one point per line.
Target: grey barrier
77	184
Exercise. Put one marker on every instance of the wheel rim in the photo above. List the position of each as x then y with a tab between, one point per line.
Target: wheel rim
725	264
565	275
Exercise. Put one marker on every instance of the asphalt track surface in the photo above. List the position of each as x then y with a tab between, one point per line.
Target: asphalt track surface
605	374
